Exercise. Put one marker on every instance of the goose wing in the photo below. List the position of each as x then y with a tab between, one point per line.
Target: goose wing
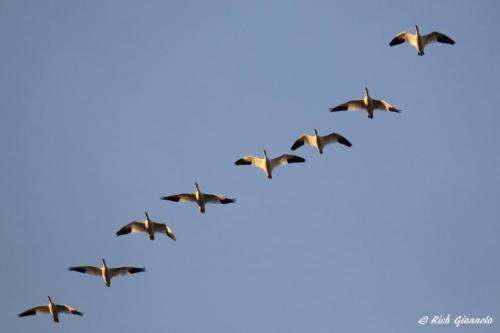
68	309
304	138
383	105
163	228
335	137
183	197
404	37
133	227
437	37
220	199
353	105
87	269
286	159
252	160
125	270
34	311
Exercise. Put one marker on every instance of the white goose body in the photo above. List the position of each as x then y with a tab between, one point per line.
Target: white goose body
267	164
319	141
147	226
367	103
52	309
199	198
418	41
107	273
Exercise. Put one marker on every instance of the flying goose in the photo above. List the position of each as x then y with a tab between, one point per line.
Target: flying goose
105	272
199	198
320	141
52	308
421	41
148	226
268	164
367	103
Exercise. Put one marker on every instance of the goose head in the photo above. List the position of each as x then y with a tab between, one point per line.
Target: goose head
147	215
103	262
416	28
316	132
265	153
366	91
50	299
197	187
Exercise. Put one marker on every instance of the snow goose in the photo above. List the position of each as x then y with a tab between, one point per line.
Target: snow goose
107	273
420	41
148	226
367	103
199	198
52	308
268	164
320	141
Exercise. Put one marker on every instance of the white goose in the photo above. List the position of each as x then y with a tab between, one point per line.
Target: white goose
107	273
148	226
420	41
199	198
268	164
320	141
52	309
367	103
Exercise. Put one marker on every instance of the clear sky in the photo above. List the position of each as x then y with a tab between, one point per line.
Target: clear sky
107	105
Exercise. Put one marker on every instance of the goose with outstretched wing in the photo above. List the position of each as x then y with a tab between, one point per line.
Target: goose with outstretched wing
199	198
147	226
51	308
319	141
418	41
367	103
268	164
106	272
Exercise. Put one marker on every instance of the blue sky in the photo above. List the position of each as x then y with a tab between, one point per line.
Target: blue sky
108	105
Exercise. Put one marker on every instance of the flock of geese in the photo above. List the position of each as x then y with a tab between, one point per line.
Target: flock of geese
267	164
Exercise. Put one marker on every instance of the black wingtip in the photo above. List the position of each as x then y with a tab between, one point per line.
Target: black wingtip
123	231
339	108
228	200
296	145
296	159
171	198
134	270
27	313
242	161
396	41
446	40
77	269
344	141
